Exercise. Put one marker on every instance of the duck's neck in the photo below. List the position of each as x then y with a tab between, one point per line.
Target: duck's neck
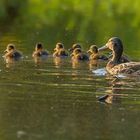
116	59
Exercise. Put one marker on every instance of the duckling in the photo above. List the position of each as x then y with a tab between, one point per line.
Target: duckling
94	54
60	51
79	55
115	65
39	51
11	54
74	46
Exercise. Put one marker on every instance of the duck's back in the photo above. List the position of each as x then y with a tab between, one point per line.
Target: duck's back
83	57
17	54
44	53
126	68
62	53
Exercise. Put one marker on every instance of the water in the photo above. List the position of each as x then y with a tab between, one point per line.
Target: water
58	100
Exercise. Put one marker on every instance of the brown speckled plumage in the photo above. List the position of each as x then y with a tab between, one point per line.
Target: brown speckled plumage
115	65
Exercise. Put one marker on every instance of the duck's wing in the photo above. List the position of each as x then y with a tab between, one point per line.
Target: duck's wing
126	68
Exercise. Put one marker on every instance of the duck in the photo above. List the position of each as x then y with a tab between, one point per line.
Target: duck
124	58
74	46
11	54
79	55
59	51
115	65
94	53
39	51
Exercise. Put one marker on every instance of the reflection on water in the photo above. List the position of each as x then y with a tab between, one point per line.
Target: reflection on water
58	100
113	93
60	61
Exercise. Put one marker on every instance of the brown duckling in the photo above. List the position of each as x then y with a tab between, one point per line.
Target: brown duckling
74	46
60	51
79	55
39	51
115	65
11	54
94	54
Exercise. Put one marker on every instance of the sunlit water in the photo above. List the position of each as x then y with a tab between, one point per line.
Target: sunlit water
58	100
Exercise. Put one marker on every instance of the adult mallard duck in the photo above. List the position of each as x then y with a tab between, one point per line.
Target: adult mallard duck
94	54
11	54
115	65
59	51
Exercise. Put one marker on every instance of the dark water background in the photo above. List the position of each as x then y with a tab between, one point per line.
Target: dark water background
58	100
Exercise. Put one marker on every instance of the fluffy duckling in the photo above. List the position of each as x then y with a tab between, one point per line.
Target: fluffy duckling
74	46
11	54
60	51
94	54
79	55
115	65
39	51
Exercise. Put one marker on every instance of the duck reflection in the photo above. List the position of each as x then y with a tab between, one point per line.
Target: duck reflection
114	95
93	64
58	61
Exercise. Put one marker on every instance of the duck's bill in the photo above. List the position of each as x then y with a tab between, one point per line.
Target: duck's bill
6	51
103	48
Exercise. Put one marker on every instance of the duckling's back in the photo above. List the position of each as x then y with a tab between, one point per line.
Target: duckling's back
16	55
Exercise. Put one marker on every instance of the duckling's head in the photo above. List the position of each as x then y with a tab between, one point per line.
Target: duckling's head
77	51
74	46
38	46
114	44
10	47
59	46
93	49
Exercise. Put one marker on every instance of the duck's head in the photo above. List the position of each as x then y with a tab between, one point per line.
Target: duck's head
76	52
59	46
38	47
74	46
10	47
116	46
93	49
